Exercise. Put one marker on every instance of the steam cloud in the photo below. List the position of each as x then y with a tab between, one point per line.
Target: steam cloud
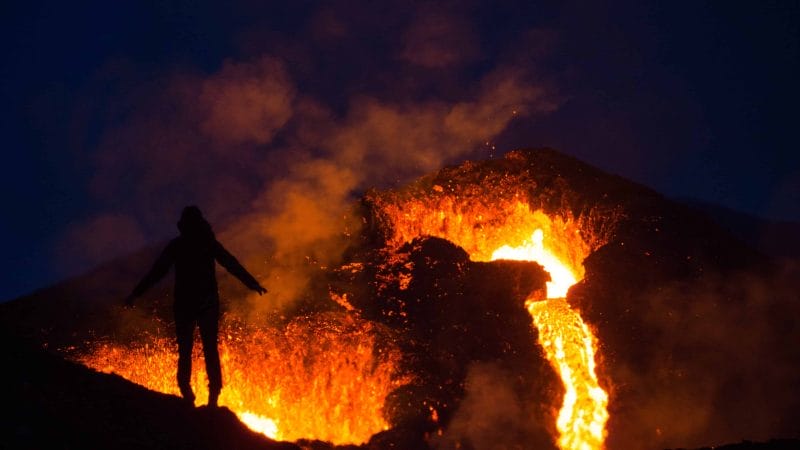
246	103
330	159
276	166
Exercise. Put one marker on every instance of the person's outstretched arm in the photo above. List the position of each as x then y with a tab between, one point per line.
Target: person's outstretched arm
156	273
232	265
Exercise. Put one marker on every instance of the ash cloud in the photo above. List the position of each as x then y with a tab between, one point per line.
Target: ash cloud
275	154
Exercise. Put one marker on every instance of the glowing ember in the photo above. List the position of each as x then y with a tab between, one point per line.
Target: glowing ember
324	377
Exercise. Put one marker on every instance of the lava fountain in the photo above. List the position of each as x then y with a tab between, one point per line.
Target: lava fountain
504	227
322	377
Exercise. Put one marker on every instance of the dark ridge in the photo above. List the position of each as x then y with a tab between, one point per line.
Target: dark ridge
80	308
777	238
58	404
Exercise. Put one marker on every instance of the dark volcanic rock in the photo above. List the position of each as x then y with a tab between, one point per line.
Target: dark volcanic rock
453	315
777	238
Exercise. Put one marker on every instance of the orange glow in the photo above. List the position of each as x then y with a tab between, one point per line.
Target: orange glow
324	377
263	425
569	346
327	377
505	228
561	276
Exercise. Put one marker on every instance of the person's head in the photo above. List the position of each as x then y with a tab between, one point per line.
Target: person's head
193	224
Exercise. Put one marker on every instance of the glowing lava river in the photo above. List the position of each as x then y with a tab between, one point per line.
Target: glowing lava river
569	346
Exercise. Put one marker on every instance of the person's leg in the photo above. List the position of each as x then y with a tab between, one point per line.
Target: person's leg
209	327
184	331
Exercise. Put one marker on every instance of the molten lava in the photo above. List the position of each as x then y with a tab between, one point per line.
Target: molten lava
561	276
569	346
323	377
504	227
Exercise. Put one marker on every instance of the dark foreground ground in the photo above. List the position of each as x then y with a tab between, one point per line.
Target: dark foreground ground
56	404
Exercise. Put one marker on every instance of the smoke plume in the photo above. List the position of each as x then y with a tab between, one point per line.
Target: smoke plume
275	164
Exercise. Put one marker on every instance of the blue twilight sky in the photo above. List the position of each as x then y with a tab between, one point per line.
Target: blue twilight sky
117	113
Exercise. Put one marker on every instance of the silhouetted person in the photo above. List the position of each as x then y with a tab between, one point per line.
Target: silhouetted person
196	297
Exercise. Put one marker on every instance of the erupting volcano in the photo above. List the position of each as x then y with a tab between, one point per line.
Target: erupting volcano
477	221
524	302
326	383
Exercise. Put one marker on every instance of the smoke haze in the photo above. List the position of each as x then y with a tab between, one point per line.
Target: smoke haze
274	165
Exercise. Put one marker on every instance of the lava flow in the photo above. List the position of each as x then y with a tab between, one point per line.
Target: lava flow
323	377
506	228
569	345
